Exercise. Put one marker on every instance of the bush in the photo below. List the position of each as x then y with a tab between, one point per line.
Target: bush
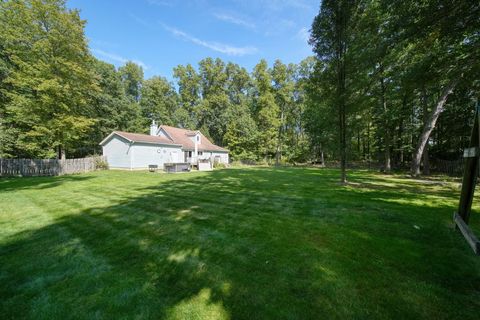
100	164
243	163
218	165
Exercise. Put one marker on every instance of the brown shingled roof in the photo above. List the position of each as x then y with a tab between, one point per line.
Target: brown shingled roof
183	137
138	137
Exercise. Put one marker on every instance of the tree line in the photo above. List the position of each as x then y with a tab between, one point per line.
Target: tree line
399	77
57	99
390	82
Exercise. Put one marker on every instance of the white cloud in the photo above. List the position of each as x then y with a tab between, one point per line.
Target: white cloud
116	58
303	34
215	46
235	20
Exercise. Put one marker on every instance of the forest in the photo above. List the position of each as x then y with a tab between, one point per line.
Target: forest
389	82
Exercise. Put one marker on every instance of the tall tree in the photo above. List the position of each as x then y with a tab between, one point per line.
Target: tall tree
159	101
189	93
111	109
241	130
331	37
215	100
283	88
132	78
444	40
47	89
265	110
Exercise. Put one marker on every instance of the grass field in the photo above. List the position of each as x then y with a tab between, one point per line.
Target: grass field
254	243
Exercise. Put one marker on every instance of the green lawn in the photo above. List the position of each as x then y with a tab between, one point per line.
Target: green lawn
234	244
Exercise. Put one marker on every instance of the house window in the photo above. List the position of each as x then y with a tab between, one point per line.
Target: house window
198	138
200	153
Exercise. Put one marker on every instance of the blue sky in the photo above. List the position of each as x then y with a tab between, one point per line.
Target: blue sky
161	34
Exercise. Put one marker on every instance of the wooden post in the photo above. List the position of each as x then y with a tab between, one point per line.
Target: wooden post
471	171
467	233
469	182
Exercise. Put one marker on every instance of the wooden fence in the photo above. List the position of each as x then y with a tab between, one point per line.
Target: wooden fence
449	167
49	167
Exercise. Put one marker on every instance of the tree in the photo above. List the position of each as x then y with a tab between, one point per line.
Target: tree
241	136
443	38
189	93
266	111
159	101
132	78
215	100
46	90
283	88
111	109
332	35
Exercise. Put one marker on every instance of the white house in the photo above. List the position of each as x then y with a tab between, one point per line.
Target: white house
165	144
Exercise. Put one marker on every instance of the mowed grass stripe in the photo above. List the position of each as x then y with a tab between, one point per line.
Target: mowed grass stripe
282	243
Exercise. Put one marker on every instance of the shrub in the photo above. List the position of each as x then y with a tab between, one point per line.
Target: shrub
218	165
100	164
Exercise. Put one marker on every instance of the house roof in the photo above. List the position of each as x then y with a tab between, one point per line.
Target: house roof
138	137
183	137
176	136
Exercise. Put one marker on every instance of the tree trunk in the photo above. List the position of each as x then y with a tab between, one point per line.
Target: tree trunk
359	150
368	141
278	154
426	160
61	153
388	161
340	53
429	126
322	159
401	132
387	141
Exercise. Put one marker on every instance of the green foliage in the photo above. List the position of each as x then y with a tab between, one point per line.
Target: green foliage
241	136
132	78
189	91
100	164
266	110
48	79
219	165
159	101
368	95
381	69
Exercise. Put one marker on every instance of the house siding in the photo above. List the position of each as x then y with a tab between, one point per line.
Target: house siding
223	156
147	154
118	152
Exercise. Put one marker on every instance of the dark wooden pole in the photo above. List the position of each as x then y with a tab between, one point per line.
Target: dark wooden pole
471	170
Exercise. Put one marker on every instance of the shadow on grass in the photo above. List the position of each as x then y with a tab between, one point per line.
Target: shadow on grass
20	183
243	244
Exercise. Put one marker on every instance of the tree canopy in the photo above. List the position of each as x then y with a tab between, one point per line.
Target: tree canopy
390	83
